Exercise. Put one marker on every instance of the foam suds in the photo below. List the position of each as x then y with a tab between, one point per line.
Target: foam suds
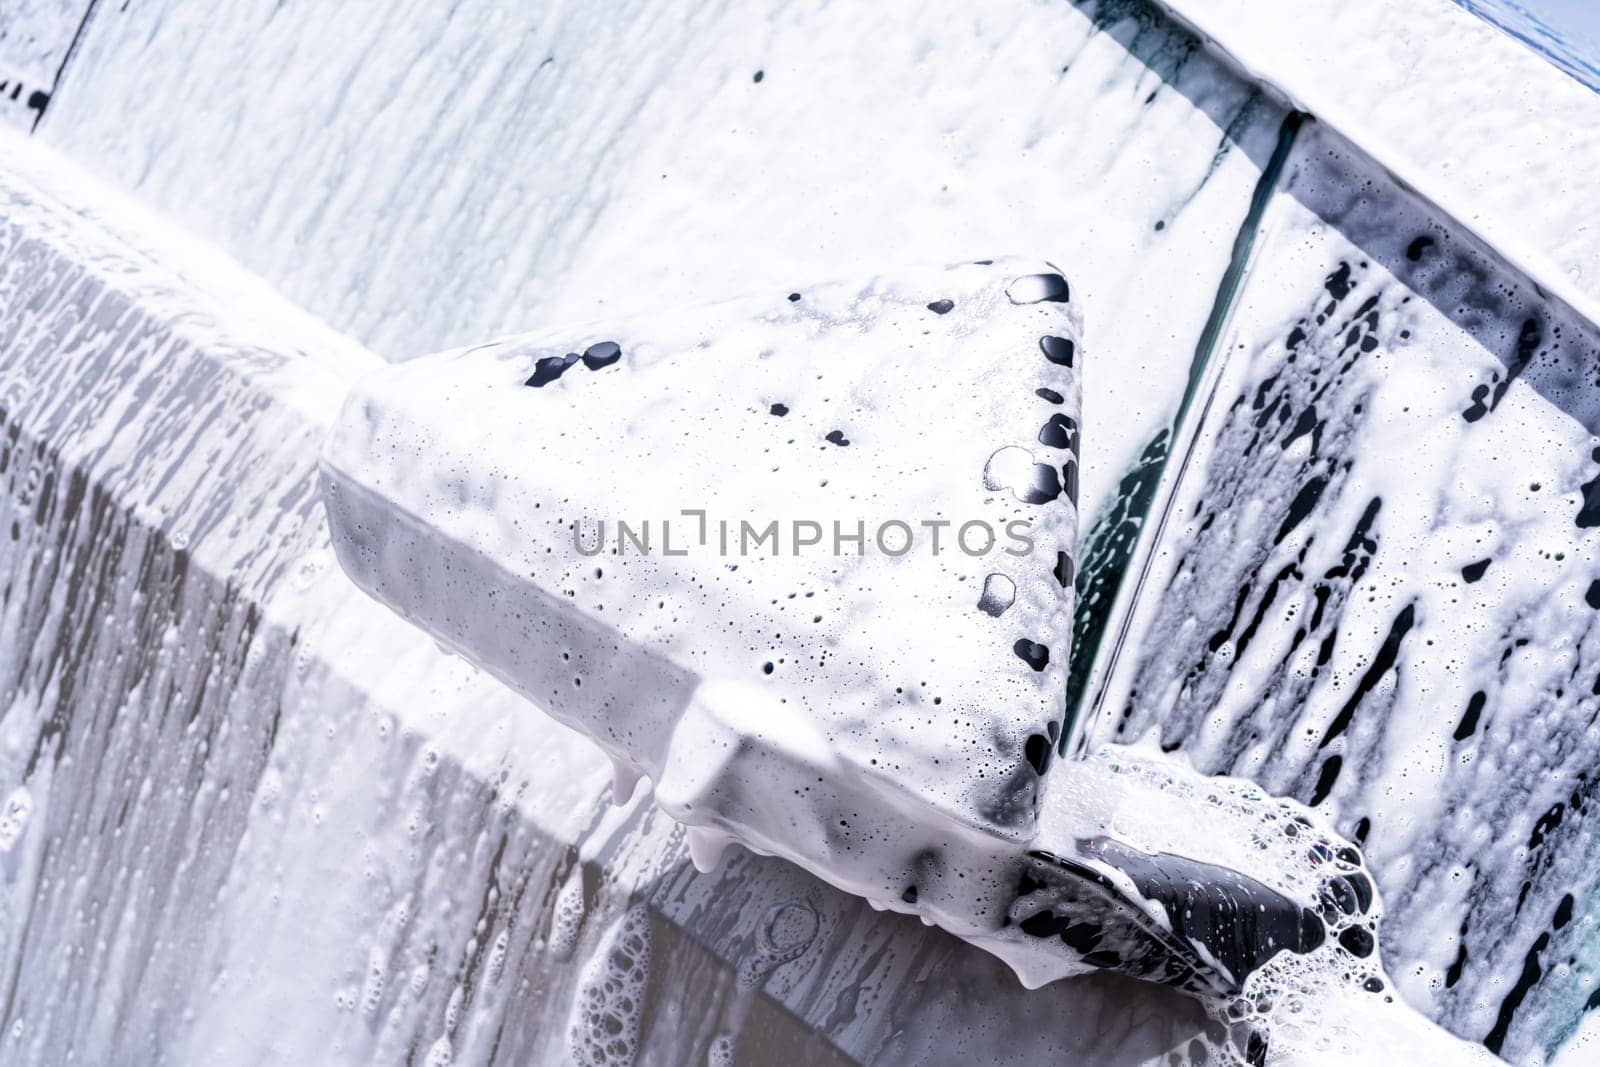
1330	1007
440	1054
604	1031
566	925
624	780
14	817
721	1053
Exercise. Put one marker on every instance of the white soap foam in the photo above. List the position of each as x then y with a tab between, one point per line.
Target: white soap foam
14	817
721	1052
606	1013
624	780
440	1053
1329	1007
566	923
